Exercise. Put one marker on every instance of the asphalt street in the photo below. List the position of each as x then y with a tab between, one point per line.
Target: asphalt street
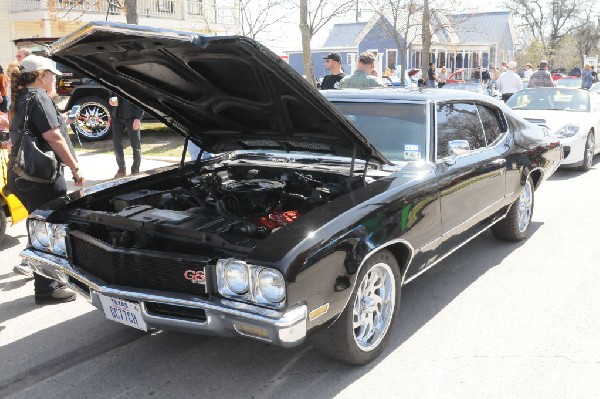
494	320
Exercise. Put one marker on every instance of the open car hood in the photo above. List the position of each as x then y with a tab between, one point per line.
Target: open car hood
227	93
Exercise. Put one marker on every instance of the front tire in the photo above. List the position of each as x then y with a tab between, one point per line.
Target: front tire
359	335
93	121
588	153
516	223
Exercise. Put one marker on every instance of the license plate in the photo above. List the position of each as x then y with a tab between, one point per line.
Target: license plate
124	312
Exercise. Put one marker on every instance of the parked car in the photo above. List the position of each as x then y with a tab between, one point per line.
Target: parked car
475	87
569	81
314	216
575	72
595	87
456	76
571	115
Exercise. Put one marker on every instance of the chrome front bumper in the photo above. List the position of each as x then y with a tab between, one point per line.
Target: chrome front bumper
223	317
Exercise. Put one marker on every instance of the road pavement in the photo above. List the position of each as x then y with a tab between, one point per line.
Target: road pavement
494	320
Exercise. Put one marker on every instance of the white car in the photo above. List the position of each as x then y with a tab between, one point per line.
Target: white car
571	115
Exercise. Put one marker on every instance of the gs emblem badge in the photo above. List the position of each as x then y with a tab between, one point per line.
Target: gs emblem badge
195	276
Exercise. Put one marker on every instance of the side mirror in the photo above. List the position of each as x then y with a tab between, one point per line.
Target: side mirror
458	147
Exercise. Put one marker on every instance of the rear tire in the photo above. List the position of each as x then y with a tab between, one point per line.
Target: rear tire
588	153
361	332
516	223
93	121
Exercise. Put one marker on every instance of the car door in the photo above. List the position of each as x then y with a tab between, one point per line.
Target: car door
471	177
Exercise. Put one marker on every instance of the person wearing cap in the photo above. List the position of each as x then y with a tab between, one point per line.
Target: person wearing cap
541	77
528	71
34	81
333	63
361	78
509	82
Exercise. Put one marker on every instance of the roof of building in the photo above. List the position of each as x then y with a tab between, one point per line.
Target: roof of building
344	35
481	27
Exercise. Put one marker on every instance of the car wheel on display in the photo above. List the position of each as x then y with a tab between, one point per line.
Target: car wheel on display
588	153
360	333
93	121
3	224
516	223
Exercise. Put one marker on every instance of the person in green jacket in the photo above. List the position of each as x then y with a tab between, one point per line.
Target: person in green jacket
361	77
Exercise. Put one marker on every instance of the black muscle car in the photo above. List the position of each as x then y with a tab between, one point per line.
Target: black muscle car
313	215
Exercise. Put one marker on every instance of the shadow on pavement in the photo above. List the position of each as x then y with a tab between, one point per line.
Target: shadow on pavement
98	359
11	241
571	173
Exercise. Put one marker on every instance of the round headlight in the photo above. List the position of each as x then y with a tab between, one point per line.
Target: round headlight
236	277
271	285
39	235
58	239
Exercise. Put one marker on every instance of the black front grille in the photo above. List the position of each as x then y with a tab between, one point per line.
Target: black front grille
136	268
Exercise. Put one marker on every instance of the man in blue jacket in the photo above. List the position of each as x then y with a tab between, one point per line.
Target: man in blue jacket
125	115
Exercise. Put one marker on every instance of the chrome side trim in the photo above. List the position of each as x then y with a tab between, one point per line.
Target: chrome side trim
450	252
437	239
470	219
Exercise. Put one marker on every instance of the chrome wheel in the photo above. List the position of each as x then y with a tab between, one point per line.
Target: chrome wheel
93	121
373	306
525	206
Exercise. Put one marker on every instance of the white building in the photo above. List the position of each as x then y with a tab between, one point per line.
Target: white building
56	18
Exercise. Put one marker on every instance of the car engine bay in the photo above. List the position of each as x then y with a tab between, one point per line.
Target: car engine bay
229	207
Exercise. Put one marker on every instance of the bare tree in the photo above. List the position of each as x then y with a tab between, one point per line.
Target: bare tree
256	17
586	38
426	38
549	21
312	19
131	11
399	22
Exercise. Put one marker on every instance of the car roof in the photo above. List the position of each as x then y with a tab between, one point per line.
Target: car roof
398	94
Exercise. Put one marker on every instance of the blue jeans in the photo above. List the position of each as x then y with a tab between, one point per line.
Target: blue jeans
118	128
431	83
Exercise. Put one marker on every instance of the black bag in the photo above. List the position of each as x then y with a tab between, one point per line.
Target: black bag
31	163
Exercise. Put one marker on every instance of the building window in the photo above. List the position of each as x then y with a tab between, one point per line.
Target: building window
195	7
349	58
165	6
391	58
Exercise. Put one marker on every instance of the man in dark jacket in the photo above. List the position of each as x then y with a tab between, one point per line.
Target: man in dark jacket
125	115
333	63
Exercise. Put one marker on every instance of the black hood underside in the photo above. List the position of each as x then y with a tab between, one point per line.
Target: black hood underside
226	93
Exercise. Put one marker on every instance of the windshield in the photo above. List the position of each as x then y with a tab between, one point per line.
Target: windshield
397	130
550	99
477	87
569	82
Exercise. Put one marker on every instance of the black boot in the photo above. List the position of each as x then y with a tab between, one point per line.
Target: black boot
59	295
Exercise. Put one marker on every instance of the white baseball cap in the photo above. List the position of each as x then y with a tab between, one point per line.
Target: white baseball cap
33	63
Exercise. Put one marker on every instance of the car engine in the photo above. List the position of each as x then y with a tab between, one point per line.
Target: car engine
222	205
